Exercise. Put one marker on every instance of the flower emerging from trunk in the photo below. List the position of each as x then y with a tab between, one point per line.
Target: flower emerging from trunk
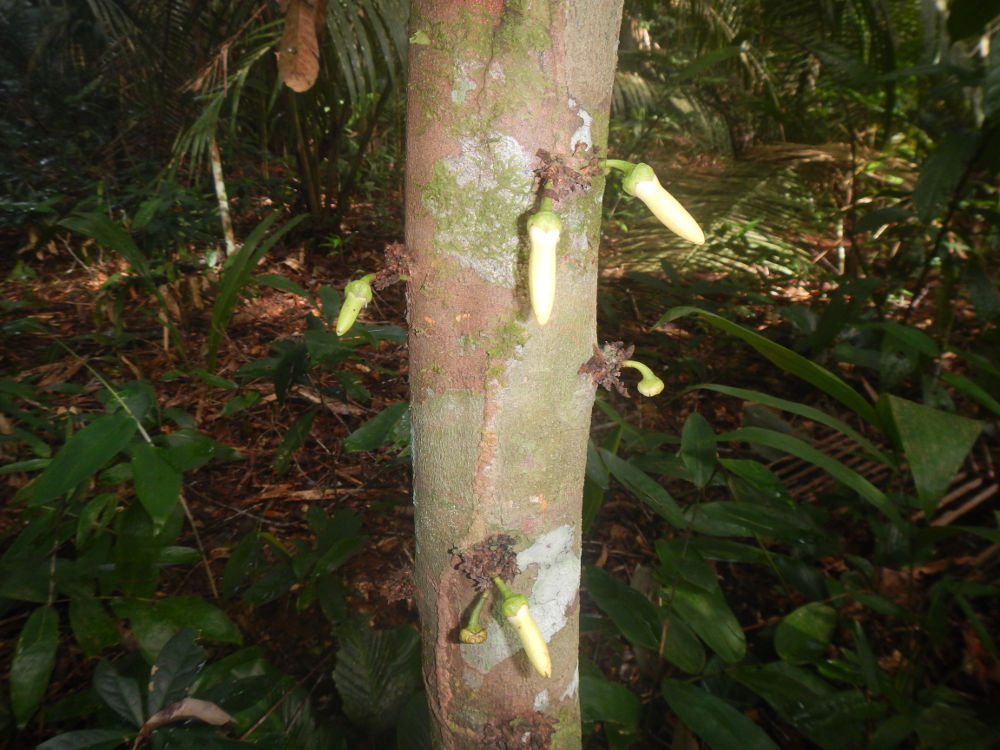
543	234
357	294
641	182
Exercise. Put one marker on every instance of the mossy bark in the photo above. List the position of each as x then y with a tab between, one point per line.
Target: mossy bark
500	413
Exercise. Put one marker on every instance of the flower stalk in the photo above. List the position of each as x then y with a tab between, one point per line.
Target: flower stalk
474	632
650	385
515	608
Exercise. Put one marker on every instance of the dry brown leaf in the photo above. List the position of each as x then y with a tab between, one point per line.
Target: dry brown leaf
298	51
187	708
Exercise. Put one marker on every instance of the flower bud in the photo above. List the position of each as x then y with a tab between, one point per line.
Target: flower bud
650	385
357	294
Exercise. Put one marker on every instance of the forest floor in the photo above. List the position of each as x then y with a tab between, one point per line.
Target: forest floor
67	293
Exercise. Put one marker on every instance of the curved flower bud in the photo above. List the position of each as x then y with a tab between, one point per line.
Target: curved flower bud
474	632
543	234
515	609
641	182
650	385
357	294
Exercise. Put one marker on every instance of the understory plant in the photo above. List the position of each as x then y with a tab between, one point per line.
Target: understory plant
859	647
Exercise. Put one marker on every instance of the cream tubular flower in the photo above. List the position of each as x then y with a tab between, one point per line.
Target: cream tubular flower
515	609
543	235
643	184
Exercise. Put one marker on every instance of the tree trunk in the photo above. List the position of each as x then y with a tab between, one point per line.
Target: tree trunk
500	411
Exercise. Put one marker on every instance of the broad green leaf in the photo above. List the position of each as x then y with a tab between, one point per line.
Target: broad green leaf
714	720
376	431
88	739
794	407
698	449
413	732
194	612
645	488
632	613
329	300
82	456
800	449
834	720
236	275
285	284
157	482
711	619
34	658
681	646
682	565
92	626
112	236
121	694
742	519
175	670
149	626
239	403
96	515
603	700
935	444
942	171
787	360
293	439
973	390
376	672
803	635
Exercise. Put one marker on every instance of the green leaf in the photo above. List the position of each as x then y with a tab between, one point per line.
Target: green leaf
973	390
82	456
714	720
236	276
603	700
794	407
377	430
800	449
712	620
175	670
293	439
803	635
942	172
194	612
239	403
157	482
698	449
935	444
329	300
376	672
92	626
121	694
34	659
88	739
645	488
787	360
632	613
112	236
285	284
743	519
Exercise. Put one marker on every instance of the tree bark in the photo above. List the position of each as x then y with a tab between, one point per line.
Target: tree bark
500	412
